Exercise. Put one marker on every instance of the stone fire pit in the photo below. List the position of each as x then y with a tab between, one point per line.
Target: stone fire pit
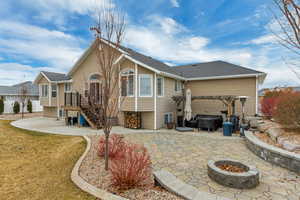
241	180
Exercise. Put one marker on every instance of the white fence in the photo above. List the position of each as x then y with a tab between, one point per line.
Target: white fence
36	106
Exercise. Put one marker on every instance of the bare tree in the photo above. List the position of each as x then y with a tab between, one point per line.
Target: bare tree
289	22
109	31
23	93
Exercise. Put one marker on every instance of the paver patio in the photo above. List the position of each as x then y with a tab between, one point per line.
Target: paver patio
186	155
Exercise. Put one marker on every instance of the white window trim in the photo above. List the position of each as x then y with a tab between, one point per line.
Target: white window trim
151	80
162	85
169	113
126	75
70	88
179	83
42	95
54	90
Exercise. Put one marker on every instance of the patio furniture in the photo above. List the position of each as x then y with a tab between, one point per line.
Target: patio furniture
208	122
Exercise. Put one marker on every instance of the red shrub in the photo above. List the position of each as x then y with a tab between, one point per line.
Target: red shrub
115	145
288	109
132	167
268	106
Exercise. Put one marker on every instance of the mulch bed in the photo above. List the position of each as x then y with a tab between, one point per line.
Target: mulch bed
92	170
231	168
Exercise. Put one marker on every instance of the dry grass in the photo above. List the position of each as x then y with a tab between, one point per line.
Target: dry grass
38	166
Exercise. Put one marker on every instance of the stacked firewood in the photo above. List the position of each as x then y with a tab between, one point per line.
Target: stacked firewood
132	120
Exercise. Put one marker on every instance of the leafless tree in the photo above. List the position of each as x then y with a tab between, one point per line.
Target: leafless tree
23	93
109	31
289	22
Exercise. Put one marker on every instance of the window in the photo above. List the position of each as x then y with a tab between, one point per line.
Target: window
54	90
127	82
168	118
178	86
44	90
86	90
145	85
67	87
160	86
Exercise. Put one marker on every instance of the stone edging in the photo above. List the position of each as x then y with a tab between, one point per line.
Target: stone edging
85	186
272	154
180	188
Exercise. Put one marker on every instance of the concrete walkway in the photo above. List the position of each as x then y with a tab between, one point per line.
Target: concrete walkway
53	126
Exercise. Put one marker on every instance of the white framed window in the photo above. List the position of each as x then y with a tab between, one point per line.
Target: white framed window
178	86
68	87
146	85
160	86
168	118
53	90
127	83
44	90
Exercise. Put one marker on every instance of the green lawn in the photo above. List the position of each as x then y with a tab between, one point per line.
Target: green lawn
38	166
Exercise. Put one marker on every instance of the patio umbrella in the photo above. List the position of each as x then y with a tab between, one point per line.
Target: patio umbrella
188	105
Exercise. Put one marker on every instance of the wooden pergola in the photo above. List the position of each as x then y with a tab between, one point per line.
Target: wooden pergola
228	100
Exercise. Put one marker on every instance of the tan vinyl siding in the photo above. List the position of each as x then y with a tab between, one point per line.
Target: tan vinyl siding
128	104
148	120
165	104
50	112
61	94
238	86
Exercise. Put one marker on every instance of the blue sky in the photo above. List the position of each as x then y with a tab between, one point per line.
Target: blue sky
50	35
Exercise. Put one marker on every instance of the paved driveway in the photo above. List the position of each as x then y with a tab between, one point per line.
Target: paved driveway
186	156
53	126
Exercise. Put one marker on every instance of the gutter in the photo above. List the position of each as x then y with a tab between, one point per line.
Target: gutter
226	77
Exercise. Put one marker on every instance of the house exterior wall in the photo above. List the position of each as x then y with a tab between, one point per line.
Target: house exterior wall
148	120
50	111
235	86
165	104
44	100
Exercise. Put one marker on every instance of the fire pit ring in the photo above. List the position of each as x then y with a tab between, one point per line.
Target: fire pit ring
241	180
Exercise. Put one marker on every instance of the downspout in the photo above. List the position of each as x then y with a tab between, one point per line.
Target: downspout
155	101
57	100
136	89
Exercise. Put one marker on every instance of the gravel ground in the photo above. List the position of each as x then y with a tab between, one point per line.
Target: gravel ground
92	170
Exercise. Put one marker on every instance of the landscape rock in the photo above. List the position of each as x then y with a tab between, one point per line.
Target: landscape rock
274	133
280	140
290	146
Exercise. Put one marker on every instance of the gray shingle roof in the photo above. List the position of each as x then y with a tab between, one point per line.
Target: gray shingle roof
213	69
15	89
53	76
151	62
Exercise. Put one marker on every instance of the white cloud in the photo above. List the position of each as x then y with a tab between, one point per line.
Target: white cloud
56	11
175	3
265	39
49	46
12	73
158	41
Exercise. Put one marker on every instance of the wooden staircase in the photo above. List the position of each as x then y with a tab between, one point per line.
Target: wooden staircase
91	118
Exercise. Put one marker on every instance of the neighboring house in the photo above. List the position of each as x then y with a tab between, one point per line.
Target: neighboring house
10	94
150	85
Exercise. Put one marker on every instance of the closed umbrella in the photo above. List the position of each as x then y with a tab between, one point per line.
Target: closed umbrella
188	106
